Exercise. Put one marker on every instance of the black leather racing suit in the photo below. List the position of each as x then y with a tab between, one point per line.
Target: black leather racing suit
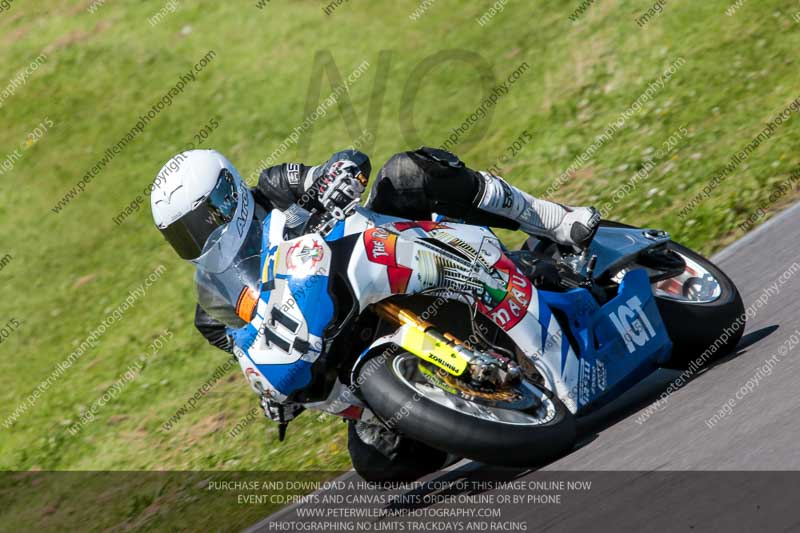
410	185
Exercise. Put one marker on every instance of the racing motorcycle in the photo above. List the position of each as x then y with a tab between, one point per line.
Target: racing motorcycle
437	331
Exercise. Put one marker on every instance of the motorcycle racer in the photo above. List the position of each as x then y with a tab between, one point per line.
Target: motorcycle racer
209	215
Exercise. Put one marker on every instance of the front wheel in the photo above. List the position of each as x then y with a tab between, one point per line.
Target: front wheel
524	426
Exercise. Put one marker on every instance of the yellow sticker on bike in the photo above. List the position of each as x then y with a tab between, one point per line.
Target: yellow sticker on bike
430	349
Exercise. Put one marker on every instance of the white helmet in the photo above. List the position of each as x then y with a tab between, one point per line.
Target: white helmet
203	208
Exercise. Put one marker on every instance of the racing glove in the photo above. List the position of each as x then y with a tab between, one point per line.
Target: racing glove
280	412
338	190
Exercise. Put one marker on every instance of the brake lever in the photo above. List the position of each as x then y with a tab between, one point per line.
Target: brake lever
323	225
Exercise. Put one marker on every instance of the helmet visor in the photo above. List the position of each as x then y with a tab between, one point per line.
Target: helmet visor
188	234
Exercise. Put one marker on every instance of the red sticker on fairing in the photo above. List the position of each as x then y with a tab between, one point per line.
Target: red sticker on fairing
353	412
381	249
304	254
512	308
424	225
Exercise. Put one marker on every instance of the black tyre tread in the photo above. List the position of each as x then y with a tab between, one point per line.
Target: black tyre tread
693	328
461	434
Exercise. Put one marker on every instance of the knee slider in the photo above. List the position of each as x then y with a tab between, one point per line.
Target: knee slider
439	166
442	157
448	180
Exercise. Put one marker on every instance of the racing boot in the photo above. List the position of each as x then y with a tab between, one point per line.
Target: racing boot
571	226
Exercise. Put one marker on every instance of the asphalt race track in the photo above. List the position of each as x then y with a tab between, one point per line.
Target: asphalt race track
761	432
644	464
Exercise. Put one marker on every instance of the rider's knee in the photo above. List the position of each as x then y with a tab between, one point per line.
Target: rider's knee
448	181
423	181
399	189
402	171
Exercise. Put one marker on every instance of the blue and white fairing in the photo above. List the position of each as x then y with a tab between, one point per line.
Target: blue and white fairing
616	343
295	306
293	301
619	343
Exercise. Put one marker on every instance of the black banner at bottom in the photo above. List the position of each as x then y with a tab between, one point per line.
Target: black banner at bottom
467	499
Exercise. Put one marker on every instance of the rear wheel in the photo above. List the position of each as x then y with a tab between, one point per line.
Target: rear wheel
701	308
523	426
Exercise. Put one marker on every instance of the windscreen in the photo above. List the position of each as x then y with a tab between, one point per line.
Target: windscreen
230	296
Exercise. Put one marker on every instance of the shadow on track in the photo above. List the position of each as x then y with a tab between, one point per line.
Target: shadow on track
591	425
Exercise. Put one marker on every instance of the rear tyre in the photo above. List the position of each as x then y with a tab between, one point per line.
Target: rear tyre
701	331
395	390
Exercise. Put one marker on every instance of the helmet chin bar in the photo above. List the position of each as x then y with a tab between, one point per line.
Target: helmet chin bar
220	250
202	206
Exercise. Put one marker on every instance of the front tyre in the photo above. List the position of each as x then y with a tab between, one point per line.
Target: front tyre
404	395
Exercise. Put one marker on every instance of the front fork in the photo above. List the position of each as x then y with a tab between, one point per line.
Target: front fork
445	350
